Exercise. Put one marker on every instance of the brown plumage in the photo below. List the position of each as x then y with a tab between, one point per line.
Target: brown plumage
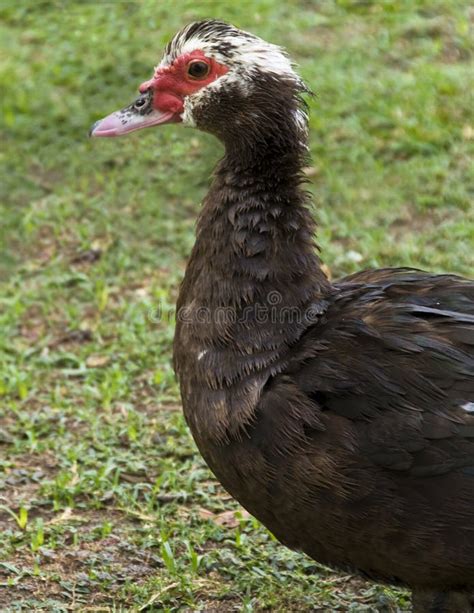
340	414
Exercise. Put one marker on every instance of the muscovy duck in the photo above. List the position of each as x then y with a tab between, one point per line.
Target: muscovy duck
340	414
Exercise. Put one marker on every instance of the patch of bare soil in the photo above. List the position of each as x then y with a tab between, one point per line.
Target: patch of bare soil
410	221
87	568
20	483
89	573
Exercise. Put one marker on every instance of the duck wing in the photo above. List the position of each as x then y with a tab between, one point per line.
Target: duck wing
366	438
395	353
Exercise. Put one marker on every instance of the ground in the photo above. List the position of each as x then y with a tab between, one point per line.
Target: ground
105	504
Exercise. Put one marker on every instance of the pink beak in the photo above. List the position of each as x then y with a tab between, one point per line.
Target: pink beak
138	115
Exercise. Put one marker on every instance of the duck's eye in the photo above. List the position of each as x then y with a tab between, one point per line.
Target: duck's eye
198	69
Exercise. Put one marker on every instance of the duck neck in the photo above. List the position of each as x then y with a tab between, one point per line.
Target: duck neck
254	263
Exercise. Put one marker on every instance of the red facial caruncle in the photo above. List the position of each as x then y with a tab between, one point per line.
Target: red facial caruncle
188	74
162	98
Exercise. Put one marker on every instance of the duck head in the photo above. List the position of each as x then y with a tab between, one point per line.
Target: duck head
217	78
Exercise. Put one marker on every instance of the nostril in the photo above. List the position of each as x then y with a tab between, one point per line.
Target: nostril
141	103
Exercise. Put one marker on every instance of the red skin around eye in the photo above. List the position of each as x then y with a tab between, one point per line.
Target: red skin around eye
172	84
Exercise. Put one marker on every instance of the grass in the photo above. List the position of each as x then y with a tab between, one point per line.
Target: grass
105	504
